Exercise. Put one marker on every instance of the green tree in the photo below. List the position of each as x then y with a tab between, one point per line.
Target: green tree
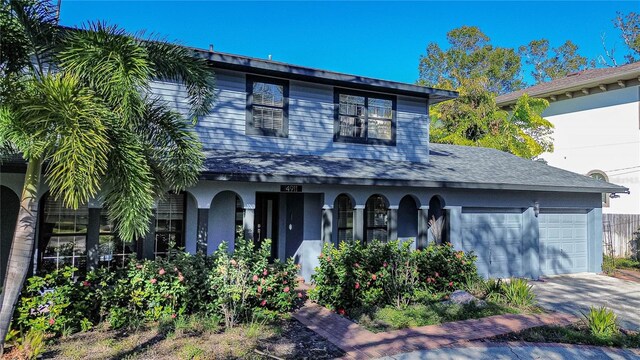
552	63
470	55
474	119
76	106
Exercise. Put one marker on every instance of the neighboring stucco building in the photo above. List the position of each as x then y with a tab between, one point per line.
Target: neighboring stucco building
596	115
306	156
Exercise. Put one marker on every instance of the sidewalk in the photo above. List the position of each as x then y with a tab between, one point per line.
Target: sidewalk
518	350
359	343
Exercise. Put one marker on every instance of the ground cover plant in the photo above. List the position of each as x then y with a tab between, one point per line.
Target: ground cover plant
386	286
597	327
223	291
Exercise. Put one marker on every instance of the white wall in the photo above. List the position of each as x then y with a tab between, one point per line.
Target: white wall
600	132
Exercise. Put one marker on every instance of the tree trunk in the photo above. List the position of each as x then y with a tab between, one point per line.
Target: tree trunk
21	247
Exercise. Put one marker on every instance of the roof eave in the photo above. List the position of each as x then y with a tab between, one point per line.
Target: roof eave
329	180
603	80
278	69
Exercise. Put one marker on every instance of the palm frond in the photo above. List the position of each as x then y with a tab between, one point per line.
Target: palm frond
129	188
174	148
71	119
112	63
178	63
29	30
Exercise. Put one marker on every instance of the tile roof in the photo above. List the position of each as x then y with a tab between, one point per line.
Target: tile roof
575	81
450	166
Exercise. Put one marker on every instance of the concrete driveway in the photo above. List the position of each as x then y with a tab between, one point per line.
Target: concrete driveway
577	292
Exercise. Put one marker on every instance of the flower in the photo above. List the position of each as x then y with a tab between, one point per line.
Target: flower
384	264
153	281
285	282
233	262
259	289
173	316
299	295
255	278
320	256
374	277
180	277
298	266
341	312
86	283
285	273
356	265
328	258
175	269
263	303
52	321
265	272
450	283
138	266
162	271
286	289
437	275
357	286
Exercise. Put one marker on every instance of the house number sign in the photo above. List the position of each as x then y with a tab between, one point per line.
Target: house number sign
290	188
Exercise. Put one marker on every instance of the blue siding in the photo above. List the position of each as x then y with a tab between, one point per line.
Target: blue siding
310	122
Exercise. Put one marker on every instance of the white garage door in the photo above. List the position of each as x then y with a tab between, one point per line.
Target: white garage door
496	238
563	243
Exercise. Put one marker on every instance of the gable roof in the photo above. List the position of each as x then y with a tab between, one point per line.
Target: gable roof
450	166
279	69
577	81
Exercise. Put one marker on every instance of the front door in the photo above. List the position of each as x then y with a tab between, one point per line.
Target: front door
266	221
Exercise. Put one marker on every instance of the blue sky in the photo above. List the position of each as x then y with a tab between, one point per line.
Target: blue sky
376	39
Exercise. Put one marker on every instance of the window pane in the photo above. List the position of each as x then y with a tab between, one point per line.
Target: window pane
379	129
268	94
380	108
267	118
169	224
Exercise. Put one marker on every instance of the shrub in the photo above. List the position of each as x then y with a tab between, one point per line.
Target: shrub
602	322
231	286
55	303
356	275
244	283
518	292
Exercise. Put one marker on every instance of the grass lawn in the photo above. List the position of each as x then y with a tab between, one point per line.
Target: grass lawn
391	318
287	339
577	333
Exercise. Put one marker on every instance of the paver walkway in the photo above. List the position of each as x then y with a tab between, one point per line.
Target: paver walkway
360	343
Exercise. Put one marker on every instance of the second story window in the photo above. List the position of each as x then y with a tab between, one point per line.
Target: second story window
267	106
364	118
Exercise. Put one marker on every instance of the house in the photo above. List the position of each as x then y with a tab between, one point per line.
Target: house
306	156
596	115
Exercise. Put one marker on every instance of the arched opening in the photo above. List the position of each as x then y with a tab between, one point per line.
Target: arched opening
600	175
9	207
376	218
408	219
226	219
170	224
437	220
63	236
344	209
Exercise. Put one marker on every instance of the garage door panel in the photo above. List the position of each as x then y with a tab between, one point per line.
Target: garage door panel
563	243
496	238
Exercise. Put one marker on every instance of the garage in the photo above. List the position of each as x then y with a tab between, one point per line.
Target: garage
563	243
495	236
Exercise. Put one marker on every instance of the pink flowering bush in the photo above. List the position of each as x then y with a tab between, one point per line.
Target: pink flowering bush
245	284
357	275
237	287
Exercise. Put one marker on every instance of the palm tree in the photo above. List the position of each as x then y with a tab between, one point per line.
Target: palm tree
76	105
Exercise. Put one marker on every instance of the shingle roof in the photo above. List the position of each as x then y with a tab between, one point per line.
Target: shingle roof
450	166
575	81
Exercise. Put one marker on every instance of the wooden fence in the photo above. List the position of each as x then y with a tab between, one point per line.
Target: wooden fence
619	230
